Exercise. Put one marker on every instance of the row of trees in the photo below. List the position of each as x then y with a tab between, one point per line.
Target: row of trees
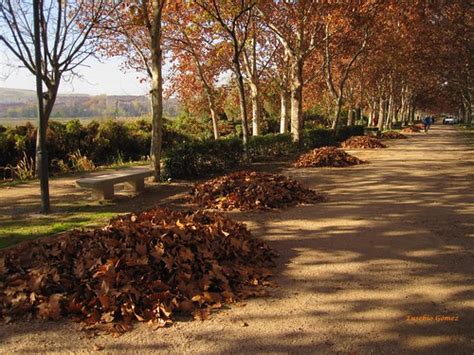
381	58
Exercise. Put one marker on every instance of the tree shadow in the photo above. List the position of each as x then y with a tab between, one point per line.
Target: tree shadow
394	240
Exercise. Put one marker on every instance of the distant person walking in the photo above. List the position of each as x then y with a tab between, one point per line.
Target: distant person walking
427	121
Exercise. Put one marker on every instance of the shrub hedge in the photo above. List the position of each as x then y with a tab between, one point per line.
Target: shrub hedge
346	132
102	142
317	138
201	158
270	146
183	157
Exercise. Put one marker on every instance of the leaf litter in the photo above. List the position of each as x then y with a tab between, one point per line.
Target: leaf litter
251	190
362	142
327	157
393	135
143	267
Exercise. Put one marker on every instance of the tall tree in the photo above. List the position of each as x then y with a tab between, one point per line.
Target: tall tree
234	18
133	30
194	55
65	31
296	25
42	162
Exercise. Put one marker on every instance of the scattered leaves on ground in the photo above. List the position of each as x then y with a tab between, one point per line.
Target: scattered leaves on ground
327	156
250	190
141	267
393	135
365	142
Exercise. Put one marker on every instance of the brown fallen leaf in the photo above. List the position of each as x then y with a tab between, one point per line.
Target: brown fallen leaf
364	142
327	156
251	190
140	267
393	135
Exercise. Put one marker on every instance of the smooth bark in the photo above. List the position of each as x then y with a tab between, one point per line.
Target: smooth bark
41	152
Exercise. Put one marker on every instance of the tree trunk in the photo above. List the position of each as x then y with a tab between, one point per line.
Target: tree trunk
412	114
242	101
389	109
156	91
358	115
210	96
212	111
41	152
215	126
47	107
380	123
296	99
254	95
350	117
283	110
335	122
372	115
467	105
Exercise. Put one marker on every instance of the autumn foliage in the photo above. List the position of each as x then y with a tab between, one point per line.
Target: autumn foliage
327	156
141	267
251	190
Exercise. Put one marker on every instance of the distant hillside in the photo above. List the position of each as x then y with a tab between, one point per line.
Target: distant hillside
10	96
15	103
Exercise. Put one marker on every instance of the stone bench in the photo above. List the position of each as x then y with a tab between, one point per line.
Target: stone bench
102	186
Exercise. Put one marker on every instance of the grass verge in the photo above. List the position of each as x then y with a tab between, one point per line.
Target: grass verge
15	231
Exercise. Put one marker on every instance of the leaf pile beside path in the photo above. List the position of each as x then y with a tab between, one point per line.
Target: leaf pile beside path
250	190
362	142
146	267
393	135
327	156
412	129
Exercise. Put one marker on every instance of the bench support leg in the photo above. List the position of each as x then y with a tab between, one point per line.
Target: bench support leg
136	185
104	193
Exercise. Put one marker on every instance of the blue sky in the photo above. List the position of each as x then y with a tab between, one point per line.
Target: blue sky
98	78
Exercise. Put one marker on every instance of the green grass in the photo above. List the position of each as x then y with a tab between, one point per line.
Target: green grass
13	183
17	230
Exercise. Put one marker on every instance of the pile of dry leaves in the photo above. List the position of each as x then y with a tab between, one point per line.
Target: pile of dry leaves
144	267
327	156
250	190
393	135
412	129
365	142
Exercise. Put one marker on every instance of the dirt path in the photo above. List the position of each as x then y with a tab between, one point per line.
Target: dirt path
396	240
